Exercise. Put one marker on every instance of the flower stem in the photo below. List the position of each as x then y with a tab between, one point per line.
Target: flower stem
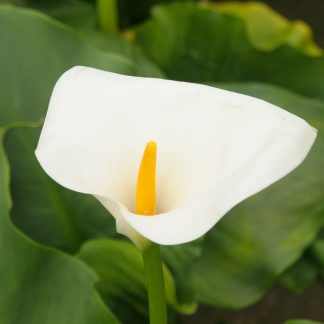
155	284
107	13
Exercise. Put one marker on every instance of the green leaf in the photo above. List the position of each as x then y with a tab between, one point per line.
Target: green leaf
196	44
180	260
122	278
267	29
48	213
121	46
300	275
264	235
40	285
76	13
34	51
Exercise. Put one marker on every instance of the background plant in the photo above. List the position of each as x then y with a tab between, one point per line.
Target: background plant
59	253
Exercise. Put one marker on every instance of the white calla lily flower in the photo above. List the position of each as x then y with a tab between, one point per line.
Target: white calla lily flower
215	148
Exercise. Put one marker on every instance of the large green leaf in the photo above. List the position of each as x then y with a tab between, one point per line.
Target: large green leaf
263	236
267	29
191	43
122	279
40	285
34	52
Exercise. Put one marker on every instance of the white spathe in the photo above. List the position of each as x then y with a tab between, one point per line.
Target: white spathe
215	148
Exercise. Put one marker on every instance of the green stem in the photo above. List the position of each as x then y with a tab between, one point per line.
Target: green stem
107	12
155	284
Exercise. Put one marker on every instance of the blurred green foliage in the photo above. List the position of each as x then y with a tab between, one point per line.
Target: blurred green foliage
266	29
262	240
39	284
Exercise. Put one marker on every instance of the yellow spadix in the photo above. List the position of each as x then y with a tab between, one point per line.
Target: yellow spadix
146	187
